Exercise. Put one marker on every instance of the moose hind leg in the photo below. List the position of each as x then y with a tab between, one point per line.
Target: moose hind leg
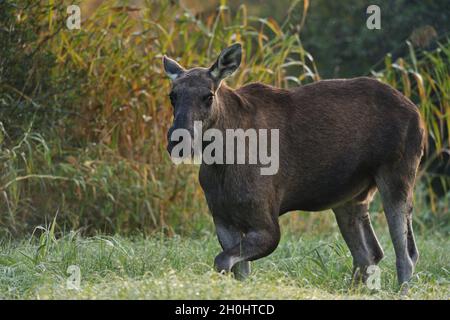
354	223
395	186
412	247
228	238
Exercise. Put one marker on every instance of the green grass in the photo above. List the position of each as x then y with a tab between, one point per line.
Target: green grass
158	267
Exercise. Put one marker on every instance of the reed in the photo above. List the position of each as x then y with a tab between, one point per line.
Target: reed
91	146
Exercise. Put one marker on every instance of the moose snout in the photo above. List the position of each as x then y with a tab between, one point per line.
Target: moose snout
170	142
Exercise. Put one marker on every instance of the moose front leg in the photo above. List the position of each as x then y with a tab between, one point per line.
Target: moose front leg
229	237
258	242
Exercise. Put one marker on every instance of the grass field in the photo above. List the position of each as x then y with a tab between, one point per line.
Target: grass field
158	267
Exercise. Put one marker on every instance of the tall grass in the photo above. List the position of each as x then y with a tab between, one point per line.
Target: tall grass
84	113
424	77
158	267
90	144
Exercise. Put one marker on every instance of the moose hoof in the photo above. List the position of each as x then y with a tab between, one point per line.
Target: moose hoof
222	263
358	277
241	270
404	289
405	270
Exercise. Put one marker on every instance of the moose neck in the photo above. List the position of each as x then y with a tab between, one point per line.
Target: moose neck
231	109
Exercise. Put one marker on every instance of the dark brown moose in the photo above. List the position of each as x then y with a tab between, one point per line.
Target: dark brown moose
339	141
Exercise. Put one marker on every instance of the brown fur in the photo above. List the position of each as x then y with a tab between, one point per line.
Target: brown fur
340	141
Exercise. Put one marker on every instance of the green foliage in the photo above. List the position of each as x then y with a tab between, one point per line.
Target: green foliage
85	113
336	35
424	77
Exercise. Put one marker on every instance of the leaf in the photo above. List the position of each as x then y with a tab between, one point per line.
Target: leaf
273	25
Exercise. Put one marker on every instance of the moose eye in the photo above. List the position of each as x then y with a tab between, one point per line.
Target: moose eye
172	98
208	98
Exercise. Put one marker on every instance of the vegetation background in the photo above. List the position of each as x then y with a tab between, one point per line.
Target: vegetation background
84	113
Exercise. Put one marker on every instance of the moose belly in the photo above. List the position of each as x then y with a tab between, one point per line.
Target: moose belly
324	191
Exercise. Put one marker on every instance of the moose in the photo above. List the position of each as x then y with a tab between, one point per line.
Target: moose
340	141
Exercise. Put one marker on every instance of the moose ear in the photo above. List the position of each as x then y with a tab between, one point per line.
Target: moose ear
227	63
172	68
